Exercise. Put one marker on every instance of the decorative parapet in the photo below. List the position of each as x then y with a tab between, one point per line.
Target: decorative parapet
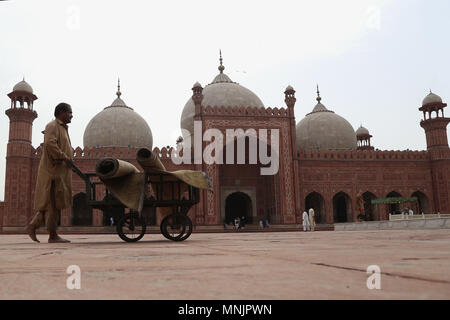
367	155
115	152
244	111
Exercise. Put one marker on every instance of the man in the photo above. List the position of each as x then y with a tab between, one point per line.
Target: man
54	181
305	218
312	222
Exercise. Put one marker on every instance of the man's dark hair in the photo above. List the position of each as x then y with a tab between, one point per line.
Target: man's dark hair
61	108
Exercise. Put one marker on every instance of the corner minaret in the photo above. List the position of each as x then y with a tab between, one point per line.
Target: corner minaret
18	184
435	127
438	150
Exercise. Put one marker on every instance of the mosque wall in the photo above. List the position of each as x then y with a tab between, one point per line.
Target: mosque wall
357	172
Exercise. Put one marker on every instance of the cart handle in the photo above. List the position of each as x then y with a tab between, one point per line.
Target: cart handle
78	172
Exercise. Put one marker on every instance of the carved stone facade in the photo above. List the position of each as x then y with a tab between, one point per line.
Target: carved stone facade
328	180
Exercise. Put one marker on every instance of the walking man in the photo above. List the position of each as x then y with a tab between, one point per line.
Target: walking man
305	219
312	222
54	181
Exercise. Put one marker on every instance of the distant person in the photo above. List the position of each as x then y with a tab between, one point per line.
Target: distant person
411	212
305	218
111	220
312	222
261	224
237	223
54	177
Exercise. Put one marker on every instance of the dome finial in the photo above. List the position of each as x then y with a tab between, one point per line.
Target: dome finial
318	95
118	88
221	67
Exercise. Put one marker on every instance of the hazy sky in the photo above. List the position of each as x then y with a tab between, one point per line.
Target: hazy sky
374	60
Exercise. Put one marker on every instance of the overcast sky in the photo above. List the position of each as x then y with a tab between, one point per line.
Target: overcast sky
374	60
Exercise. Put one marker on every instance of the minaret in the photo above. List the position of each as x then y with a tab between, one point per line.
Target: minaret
289	99
435	127
18	182
363	139
439	152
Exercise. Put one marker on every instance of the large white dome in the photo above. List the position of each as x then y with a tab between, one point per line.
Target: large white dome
118	126
323	129
221	92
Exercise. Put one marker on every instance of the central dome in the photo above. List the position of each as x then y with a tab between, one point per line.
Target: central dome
323	129
118	126
221	92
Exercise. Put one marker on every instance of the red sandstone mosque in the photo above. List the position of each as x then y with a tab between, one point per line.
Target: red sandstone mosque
323	162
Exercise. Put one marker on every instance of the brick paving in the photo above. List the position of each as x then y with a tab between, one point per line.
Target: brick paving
415	264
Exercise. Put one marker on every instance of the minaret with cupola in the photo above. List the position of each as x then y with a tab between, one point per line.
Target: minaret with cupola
363	139
18	179
435	125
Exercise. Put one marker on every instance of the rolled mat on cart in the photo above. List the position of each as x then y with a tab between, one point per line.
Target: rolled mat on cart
127	183
151	164
123	180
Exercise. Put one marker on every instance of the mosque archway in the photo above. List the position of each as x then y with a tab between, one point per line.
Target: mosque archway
394	207
370	210
81	212
422	202
315	200
238	204
342	208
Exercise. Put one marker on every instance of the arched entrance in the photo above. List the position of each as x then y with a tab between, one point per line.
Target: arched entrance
315	200
238	204
81	212
342	207
394	207
422	202
370	210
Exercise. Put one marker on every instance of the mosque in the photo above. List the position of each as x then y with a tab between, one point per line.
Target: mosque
323	163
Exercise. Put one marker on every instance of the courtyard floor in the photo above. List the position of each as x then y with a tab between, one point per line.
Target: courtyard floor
414	264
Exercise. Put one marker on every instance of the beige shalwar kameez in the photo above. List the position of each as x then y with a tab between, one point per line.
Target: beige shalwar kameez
54	181
312	222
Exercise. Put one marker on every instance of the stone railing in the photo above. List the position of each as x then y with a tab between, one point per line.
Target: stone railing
404	216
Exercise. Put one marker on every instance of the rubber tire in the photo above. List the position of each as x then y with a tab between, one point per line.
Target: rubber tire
121	223
183	235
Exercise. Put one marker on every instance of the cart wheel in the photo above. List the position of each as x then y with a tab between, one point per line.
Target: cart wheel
176	227
131	228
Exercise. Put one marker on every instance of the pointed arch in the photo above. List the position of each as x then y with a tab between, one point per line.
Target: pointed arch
422	202
342	207
316	201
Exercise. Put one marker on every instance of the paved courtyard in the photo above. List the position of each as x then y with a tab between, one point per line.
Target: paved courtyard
414	264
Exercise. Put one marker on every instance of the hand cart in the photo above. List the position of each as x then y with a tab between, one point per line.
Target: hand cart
177	226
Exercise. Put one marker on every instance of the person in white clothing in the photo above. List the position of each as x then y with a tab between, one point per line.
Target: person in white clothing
305	219
312	222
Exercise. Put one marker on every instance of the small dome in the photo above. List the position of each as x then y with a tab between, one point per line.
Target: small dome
431	98
118	126
221	92
289	88
23	86
323	129
362	131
